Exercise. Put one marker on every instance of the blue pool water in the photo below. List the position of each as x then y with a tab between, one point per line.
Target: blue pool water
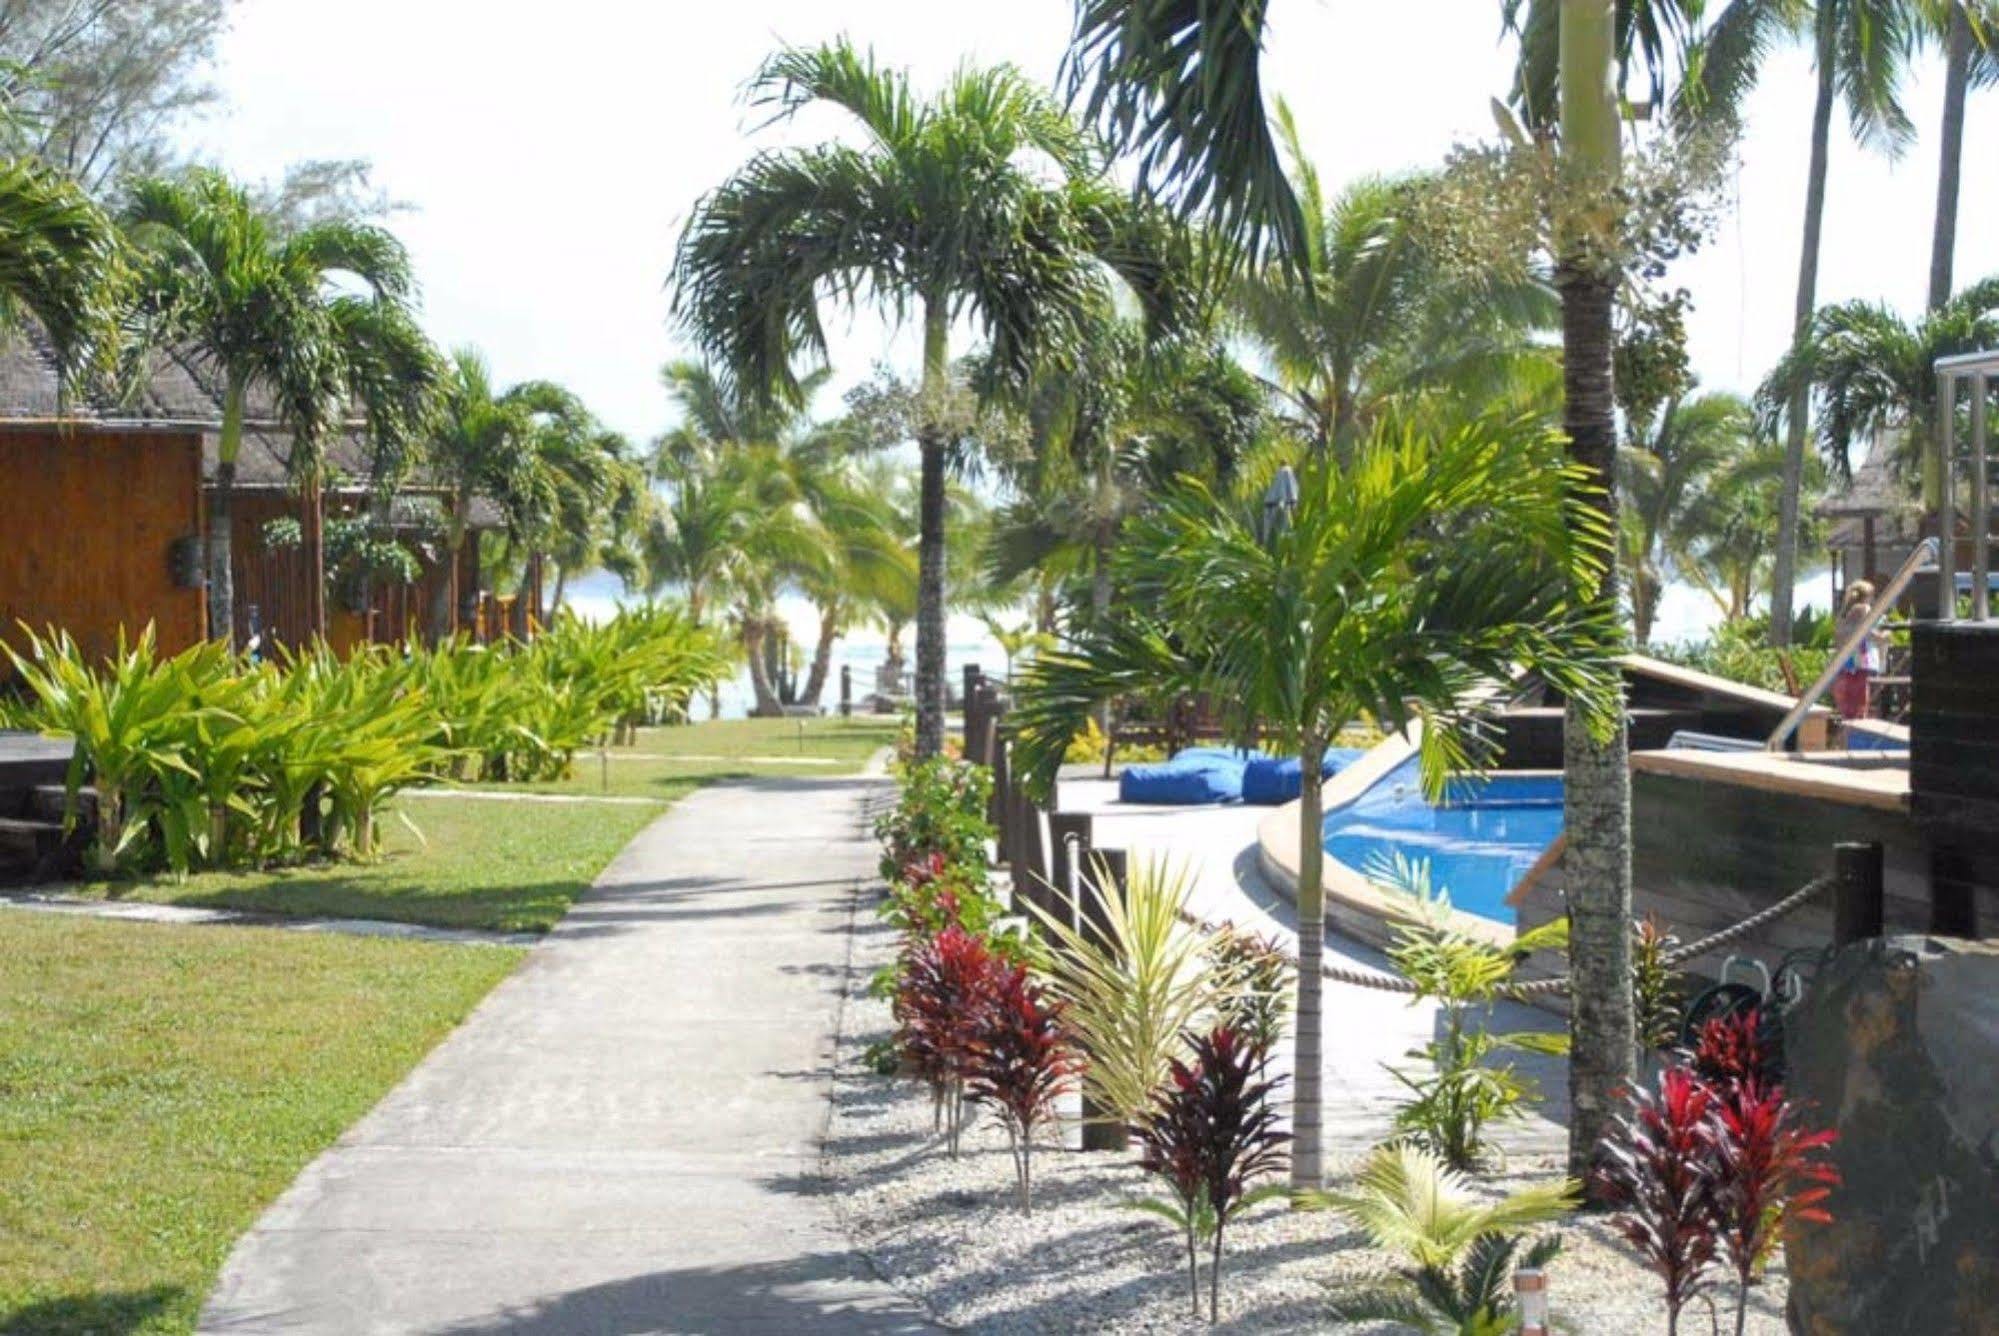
1479	843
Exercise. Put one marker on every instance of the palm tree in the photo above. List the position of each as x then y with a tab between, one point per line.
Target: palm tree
940	215
1967	30
1728	546
264	311
1376	314
1399	585
1184	90
1860	52
1874	372
60	261
478	443
1667	476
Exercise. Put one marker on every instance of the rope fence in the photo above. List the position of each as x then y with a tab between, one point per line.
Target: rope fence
1388	983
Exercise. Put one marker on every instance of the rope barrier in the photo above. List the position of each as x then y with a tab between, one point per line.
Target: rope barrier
1388	983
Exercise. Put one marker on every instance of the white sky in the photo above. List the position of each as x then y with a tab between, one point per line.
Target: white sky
550	151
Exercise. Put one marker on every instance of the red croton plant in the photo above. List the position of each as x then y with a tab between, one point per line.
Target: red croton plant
945	988
1711	1167
1020	1060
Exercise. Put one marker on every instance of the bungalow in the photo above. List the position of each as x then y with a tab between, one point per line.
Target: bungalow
104	508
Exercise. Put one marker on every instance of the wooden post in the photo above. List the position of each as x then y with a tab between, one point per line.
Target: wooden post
846	690
975	721
1857	892
994	752
1099	1133
1953	901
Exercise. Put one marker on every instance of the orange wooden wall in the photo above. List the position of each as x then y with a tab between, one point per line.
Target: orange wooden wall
87	518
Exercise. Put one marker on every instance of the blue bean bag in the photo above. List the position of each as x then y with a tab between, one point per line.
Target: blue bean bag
1195	776
1270	780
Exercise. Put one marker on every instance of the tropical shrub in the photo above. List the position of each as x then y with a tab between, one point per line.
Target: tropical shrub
1660	1167
1658	991
1459	1253
1771	1172
1731	1051
941	810
946	985
1463	1085
1136	982
1253	979
208	759
1019	1061
1208	1135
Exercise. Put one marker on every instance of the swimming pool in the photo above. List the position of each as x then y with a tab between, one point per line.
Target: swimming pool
1479	843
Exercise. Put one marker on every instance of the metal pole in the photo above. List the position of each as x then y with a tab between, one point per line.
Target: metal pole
1981	563
1946	512
1858	892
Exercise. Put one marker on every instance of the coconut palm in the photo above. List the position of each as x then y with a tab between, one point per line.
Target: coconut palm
1376	314
1183	89
1399	585
265	312
478	443
1860	52
983	204
1666	476
1873	371
59	262
1969	33
1728	542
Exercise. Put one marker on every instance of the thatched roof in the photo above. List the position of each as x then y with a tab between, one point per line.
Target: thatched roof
178	390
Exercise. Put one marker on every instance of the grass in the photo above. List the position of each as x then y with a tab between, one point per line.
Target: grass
160	1085
454	863
665	762
516	867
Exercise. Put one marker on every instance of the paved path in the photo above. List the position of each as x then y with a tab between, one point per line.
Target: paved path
621	1139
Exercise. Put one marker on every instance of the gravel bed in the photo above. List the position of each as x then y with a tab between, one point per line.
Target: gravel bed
949	1233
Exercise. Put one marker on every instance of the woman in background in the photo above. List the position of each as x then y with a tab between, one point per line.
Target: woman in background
1850	689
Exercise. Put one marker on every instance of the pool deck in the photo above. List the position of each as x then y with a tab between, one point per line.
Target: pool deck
1365	1028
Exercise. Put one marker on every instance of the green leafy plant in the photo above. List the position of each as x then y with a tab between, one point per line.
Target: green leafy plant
941	810
1136	982
1466	1085
1658	991
1253	979
1210	1131
1458	1252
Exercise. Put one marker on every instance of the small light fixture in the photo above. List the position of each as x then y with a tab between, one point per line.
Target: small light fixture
1530	1288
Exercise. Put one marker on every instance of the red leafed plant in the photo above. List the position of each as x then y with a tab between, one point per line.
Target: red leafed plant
1772	1171
947	983
1209	1132
1659	1166
1020	1060
1730	1050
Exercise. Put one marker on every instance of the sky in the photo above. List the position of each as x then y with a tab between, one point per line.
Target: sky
550	152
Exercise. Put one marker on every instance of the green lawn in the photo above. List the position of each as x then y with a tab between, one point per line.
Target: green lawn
160	1085
665	762
455	863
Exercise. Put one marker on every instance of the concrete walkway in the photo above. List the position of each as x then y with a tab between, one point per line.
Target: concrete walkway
623	1137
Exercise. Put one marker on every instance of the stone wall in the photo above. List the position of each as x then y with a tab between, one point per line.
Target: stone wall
1896	1044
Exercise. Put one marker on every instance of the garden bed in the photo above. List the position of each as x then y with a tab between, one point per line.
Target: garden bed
948	1233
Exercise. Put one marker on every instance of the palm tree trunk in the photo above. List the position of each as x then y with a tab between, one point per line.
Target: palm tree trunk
1308	1075
756	633
822	655
445	598
312	523
930	542
1950	155
561	584
1596	775
221	507
1784	575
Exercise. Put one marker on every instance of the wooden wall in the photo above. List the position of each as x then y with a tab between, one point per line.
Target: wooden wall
87	520
1706	854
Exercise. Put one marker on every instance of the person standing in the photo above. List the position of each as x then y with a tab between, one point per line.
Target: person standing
1851	689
